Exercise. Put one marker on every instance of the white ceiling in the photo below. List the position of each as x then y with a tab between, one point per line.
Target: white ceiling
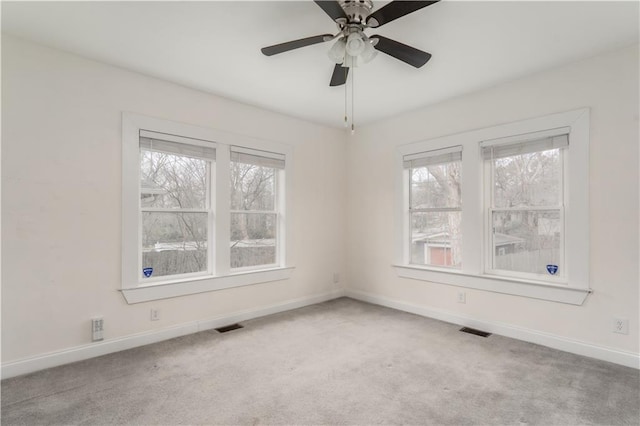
215	47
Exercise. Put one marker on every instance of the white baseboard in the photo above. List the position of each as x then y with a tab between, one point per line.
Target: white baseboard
79	353
628	359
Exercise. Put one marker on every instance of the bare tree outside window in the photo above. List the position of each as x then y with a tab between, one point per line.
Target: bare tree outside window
253	215
436	214
174	202
527	211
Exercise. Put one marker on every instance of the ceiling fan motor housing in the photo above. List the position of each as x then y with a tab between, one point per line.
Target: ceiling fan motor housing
357	10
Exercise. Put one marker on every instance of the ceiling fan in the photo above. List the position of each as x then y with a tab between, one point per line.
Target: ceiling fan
353	17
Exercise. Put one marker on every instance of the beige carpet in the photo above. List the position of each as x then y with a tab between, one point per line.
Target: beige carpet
340	362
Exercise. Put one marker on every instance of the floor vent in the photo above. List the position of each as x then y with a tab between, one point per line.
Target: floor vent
228	328
474	331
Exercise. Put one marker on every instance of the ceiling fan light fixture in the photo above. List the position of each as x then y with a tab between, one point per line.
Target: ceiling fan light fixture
336	53
369	52
355	44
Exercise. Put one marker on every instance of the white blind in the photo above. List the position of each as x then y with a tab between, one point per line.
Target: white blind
177	148
509	149
429	158
258	158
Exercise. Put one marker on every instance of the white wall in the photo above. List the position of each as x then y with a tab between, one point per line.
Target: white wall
61	199
609	86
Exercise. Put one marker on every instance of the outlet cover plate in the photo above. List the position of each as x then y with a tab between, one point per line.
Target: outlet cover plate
97	329
621	325
154	315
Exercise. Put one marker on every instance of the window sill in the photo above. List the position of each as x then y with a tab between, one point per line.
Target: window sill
513	286
168	290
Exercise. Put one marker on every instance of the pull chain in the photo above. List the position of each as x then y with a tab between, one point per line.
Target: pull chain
353	101
346	74
350	62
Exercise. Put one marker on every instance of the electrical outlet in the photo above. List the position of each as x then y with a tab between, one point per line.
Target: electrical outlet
97	329
621	325
336	278
462	297
155	315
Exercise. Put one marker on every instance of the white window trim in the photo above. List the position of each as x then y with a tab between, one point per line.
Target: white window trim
223	277
473	227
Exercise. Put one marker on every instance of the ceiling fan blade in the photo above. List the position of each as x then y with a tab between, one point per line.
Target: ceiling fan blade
395	10
295	44
408	54
339	76
332	8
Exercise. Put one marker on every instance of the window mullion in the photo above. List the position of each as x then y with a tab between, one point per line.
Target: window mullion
211	218
488	245
472	216
222	211
279	206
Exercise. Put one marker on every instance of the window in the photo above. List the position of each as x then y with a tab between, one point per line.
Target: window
175	206
435	207
524	181
502	209
255	207
202	210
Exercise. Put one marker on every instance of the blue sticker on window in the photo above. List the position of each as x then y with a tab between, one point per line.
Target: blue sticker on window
552	269
147	272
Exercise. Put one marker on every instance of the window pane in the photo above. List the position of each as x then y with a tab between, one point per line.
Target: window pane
435	186
252	187
527	241
436	239
528	180
253	239
174	243
172	181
